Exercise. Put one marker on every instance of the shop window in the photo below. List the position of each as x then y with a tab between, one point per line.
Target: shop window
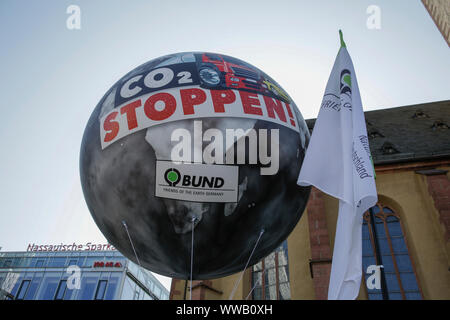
399	273
101	289
57	262
89	262
88	285
80	262
23	289
270	276
34	285
39	263
49	286
112	286
17	262
61	291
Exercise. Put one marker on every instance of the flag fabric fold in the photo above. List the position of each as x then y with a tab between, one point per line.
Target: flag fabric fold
338	162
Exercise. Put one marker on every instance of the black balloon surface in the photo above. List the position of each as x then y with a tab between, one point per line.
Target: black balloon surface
200	142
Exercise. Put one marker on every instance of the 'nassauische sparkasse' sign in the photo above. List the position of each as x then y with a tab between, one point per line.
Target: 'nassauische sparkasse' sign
89	246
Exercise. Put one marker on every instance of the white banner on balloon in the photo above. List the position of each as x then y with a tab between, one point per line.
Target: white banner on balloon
191	103
196	182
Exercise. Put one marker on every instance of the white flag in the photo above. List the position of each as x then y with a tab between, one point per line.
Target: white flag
338	162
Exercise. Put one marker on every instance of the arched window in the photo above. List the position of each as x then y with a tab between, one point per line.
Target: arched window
400	278
270	276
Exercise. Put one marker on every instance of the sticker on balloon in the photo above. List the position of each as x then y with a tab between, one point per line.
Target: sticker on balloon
196	182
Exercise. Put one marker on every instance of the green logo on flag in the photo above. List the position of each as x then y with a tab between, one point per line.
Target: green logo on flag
346	82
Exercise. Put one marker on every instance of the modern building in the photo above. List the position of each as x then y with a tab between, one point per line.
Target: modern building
408	231
439	11
76	275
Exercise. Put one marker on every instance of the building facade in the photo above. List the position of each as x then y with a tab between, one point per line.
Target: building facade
408	231
76	275
439	11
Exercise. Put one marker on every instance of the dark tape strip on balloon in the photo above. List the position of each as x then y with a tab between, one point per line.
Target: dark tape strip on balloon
191	102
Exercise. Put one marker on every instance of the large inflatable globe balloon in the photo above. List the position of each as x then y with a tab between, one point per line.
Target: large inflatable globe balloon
195	144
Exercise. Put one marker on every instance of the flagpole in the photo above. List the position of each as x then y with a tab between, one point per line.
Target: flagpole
378	255
372	221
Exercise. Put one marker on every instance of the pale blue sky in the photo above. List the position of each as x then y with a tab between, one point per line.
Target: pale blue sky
52	78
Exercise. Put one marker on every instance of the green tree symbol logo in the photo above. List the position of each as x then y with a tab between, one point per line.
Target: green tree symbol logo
172	176
346	82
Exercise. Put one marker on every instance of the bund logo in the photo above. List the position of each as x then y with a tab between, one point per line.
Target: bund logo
346	82
172	176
